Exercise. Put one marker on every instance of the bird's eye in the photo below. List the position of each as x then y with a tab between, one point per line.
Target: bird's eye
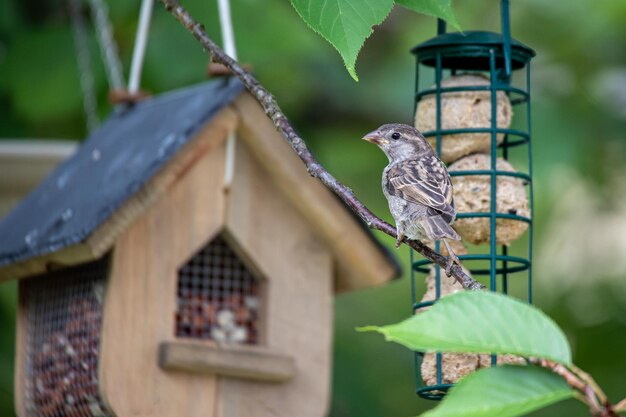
395	135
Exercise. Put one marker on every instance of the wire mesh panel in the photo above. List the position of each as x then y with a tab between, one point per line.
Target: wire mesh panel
218	297
63	315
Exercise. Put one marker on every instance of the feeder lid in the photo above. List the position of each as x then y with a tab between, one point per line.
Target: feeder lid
470	51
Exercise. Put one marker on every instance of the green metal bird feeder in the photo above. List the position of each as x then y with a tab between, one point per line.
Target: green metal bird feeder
501	66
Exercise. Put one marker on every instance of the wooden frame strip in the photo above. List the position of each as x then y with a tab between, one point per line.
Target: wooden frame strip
235	361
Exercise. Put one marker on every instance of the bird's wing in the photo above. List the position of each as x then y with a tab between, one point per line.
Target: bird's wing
424	181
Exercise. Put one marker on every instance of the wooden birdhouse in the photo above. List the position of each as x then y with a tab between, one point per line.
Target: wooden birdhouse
147	289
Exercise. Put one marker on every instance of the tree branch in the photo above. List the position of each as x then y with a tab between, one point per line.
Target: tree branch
315	169
580	381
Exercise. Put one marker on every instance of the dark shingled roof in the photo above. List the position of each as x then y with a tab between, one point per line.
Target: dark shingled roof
110	167
113	163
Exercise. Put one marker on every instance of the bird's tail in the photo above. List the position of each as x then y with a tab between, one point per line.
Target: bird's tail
437	228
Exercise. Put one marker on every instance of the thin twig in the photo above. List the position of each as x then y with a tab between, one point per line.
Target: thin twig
315	169
620	407
586	378
588	390
559	369
592	400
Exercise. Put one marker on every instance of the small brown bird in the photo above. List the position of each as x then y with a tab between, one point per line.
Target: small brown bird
417	186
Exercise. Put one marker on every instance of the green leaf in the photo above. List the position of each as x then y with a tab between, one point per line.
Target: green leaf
481	322
344	23
436	8
502	391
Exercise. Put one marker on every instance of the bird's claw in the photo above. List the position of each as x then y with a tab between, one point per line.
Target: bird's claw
452	259
399	240
449	265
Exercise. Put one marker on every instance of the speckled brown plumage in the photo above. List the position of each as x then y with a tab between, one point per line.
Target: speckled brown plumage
416	184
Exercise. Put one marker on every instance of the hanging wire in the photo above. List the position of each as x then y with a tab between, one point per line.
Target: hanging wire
108	47
83	57
226	23
228	39
141	40
229	167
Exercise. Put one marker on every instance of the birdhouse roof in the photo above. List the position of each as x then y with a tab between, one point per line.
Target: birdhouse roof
113	165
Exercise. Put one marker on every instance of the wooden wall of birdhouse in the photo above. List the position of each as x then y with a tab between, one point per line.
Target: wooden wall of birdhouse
220	378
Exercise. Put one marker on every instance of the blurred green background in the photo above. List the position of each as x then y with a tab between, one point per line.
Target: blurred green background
579	127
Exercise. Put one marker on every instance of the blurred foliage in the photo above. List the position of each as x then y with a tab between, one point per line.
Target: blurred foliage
579	126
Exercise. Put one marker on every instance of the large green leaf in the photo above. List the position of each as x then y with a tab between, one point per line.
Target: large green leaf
344	23
436	8
482	322
502	391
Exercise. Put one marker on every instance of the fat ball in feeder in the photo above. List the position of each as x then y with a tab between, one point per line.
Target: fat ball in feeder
455	366
472	194
463	110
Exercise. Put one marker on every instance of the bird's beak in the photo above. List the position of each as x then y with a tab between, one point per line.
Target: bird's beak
373	137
